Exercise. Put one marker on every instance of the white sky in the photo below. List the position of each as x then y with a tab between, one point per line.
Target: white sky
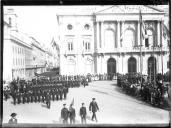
40	21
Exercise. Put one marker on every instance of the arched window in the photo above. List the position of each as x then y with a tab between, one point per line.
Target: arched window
151	66
129	38
132	65
111	66
110	42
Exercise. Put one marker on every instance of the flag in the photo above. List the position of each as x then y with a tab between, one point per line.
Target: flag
122	34
72	103
165	31
143	29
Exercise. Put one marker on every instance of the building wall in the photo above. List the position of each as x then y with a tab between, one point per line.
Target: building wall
110	37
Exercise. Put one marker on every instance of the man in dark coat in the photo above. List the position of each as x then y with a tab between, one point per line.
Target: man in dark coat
64	114
83	114
48	100
93	107
13	120
72	114
65	92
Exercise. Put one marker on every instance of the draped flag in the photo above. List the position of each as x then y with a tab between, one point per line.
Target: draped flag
165	31
144	31
122	34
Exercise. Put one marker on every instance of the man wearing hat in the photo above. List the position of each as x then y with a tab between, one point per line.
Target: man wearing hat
93	107
64	114
13	120
83	114
72	114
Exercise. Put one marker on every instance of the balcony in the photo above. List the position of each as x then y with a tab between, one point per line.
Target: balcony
134	50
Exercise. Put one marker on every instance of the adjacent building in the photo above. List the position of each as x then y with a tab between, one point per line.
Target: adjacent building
23	56
108	40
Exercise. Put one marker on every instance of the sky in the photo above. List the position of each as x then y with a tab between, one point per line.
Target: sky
41	22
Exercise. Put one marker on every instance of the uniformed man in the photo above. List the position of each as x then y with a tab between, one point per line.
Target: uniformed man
72	114
60	92
64	114
48	100
93	107
83	114
65	92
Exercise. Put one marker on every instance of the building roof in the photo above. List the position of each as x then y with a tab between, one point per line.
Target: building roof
130	9
21	38
90	10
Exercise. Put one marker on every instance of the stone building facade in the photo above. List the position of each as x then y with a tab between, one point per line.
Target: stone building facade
108	41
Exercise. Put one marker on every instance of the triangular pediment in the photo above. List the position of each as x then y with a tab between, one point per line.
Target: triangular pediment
117	9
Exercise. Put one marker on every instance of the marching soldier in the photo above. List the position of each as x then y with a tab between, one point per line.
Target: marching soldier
65	92
60	92
19	98
83	114
48	100
14	97
53	95
93	107
57	94
72	114
64	114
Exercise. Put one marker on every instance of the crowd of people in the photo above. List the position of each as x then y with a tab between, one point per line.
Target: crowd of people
153	91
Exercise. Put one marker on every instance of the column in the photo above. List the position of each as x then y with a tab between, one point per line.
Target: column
118	33
97	39
102	35
138	33
95	45
100	42
158	33
122	32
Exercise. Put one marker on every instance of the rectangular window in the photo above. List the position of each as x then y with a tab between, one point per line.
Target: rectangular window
70	46
87	46
146	42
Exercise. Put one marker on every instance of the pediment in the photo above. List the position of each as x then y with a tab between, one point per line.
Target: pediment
125	9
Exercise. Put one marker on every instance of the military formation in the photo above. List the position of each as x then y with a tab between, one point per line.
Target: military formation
42	89
152	90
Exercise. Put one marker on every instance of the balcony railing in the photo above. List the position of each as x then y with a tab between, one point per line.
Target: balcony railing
133	49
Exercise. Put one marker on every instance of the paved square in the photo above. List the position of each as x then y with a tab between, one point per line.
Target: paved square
115	107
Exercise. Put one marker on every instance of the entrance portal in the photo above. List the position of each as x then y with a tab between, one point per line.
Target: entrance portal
111	67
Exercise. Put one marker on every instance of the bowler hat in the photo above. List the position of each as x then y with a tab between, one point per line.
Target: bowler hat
82	103
13	114
93	98
64	104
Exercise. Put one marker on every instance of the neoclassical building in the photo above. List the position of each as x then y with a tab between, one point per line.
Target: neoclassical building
107	40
